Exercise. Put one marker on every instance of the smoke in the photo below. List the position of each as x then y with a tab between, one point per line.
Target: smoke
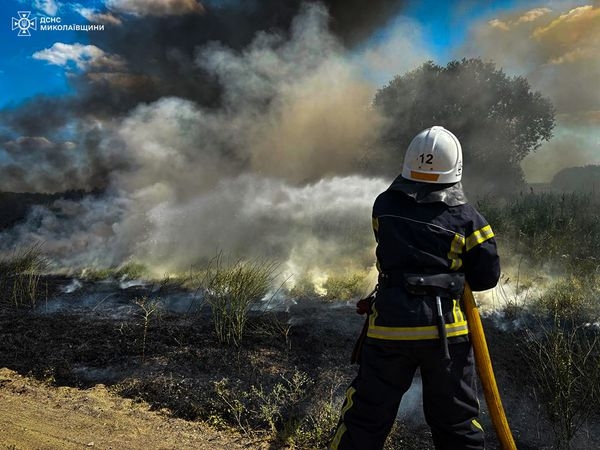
575	143
558	52
271	170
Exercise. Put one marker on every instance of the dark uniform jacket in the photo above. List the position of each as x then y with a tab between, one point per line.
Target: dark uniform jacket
427	229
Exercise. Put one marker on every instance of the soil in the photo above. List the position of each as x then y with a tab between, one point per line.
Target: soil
36	415
95	365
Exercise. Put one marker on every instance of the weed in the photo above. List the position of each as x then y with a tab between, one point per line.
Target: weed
566	373
298	411
148	308
569	299
346	286
231	290
273	325
20	277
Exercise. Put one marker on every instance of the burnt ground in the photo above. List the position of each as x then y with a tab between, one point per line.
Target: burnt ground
286	379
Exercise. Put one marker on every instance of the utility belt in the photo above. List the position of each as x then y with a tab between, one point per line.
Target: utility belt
438	286
447	285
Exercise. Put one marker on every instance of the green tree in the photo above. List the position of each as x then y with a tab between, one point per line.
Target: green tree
498	119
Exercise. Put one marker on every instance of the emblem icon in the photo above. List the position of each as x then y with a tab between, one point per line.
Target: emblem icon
24	23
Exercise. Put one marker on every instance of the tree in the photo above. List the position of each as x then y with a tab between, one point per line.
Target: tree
498	119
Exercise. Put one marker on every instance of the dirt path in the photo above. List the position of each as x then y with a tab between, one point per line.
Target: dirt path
37	416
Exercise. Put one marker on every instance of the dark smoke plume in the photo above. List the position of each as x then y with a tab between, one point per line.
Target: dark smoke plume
158	56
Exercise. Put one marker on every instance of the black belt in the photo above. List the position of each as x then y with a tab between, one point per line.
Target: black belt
449	285
439	284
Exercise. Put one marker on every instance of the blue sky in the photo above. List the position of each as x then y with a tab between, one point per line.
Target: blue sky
21	76
444	24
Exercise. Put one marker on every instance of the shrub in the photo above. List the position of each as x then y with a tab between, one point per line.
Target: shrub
297	411
304	287
569	299
564	363
20	276
346	286
148	307
231	290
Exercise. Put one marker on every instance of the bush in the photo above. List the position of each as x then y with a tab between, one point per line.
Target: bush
569	299
337	286
296	410
20	276
346	286
231	290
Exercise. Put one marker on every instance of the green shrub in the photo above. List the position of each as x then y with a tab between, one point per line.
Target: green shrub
20	277
295	410
348	286
231	290
304	287
570	298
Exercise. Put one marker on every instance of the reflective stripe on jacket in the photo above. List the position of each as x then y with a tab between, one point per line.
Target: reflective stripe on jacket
428	238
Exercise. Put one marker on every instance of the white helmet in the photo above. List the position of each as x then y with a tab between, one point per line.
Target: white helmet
433	156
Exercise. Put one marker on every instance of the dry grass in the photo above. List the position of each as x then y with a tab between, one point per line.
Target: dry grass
20	278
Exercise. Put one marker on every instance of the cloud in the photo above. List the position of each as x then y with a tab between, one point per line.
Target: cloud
50	7
82	56
515	20
156	7
96	16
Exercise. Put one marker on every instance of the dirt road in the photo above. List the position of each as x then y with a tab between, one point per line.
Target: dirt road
34	415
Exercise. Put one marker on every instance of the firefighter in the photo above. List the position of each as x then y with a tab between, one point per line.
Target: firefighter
429	241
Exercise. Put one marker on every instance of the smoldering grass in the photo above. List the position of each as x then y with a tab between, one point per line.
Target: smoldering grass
127	271
346	286
335	285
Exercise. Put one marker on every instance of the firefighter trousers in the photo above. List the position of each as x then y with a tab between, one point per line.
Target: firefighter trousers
450	399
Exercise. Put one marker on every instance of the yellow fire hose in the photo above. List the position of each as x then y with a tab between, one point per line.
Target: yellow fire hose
486	373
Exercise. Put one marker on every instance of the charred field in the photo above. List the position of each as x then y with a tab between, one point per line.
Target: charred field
281	387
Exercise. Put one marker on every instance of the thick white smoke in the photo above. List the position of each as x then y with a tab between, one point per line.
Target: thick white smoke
269	174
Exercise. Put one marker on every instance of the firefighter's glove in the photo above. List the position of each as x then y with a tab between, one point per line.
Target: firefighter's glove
364	305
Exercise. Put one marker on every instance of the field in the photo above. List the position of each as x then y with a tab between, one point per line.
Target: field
115	356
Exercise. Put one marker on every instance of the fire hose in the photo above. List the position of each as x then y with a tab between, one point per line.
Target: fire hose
486	373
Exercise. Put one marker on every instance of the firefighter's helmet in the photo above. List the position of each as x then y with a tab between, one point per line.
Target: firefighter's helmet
433	156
